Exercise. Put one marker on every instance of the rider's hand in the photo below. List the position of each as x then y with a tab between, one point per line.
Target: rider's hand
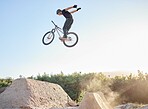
75	6
78	9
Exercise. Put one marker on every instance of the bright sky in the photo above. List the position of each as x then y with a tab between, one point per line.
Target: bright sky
113	36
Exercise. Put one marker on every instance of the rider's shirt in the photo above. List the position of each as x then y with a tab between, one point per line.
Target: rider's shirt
66	14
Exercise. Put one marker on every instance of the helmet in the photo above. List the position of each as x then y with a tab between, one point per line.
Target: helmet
59	10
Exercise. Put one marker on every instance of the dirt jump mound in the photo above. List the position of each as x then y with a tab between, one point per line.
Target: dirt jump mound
94	101
29	94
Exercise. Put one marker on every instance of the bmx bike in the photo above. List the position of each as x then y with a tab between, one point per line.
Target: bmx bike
72	38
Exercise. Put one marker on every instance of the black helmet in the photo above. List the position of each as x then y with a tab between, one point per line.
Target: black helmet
59	10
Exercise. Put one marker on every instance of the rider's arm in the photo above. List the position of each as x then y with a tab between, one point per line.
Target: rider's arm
75	10
68	8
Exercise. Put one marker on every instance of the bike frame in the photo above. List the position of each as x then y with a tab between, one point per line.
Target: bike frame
57	29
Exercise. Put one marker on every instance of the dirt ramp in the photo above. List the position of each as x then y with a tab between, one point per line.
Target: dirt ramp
28	94
94	101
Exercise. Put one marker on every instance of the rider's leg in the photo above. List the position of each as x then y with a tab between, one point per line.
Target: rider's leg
67	26
70	24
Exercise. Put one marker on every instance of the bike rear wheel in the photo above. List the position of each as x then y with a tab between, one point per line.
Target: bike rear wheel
48	38
72	39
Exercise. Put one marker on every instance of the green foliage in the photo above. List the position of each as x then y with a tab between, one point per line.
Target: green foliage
5	82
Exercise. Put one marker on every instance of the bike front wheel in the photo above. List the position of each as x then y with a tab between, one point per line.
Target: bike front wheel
72	39
48	38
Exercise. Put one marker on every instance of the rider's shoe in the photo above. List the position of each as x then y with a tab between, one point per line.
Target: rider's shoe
63	38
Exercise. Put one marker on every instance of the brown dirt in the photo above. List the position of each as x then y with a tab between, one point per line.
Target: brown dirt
33	94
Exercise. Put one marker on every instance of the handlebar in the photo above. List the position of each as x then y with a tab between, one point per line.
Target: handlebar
56	26
53	23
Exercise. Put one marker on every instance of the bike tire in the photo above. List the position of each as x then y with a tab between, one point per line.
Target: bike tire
72	39
48	38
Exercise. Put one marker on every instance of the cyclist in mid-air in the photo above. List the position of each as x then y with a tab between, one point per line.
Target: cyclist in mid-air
69	19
